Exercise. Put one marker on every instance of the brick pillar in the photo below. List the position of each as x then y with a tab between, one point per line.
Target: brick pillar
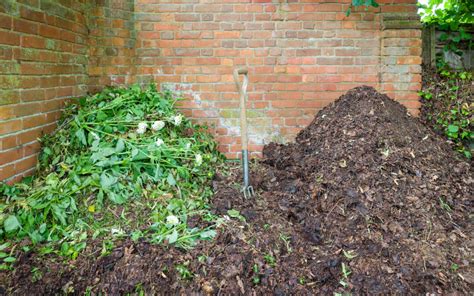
401	58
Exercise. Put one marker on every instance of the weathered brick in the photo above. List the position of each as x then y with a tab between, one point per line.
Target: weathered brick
32	41
7	171
5	21
23	26
9	38
26	164
7	127
33	15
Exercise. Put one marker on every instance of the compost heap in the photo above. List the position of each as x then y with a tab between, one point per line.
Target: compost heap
366	178
368	200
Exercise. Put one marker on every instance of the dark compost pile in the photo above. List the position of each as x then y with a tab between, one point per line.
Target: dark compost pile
367	200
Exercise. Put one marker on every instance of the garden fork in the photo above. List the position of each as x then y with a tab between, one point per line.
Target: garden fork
247	189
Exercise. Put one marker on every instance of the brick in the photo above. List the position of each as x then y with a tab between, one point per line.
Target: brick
9	38
23	26
49	31
26	164
347	52
34	121
33	15
9	96
8	142
5	21
32	42
7	112
409	60
7	171
31	148
227	35
32	95
11	126
187	17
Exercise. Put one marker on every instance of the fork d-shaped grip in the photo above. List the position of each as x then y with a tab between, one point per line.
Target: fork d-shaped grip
243	71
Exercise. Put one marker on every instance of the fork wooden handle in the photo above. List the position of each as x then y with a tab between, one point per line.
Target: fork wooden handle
243	99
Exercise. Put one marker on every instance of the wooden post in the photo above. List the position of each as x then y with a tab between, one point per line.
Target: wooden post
429	43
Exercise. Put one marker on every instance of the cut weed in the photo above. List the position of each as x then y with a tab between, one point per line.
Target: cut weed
122	163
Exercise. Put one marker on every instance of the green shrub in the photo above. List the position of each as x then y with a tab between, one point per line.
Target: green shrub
449	108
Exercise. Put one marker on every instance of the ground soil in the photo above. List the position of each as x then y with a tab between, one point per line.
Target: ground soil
364	186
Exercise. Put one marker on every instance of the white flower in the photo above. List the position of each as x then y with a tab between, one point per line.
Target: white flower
159	142
157	125
177	119
142	125
188	146
172	220
198	159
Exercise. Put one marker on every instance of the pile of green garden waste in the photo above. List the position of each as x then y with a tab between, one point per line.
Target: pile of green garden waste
123	163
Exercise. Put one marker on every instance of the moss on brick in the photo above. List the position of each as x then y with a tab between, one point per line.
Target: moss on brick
9	81
229	113
9	67
8	96
50	44
9	6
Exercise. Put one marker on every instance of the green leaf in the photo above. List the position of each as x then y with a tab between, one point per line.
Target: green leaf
9	259
468	154
233	213
101	116
209	234
171	179
138	155
120	145
453	128
11	224
116	198
453	26
4	246
59	213
106	180
173	237
81	136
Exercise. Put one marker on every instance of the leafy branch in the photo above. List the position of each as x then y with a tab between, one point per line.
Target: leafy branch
366	3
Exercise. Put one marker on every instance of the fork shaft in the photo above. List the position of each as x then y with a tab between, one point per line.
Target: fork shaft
245	165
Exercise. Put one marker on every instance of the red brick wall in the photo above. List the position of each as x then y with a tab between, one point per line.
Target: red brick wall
112	43
301	56
43	59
